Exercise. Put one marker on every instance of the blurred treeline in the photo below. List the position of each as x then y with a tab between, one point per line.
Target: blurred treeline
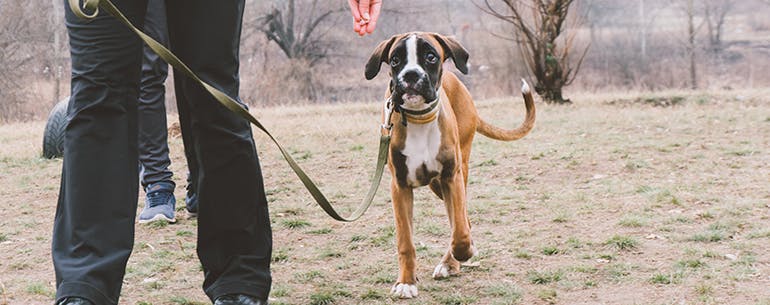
640	45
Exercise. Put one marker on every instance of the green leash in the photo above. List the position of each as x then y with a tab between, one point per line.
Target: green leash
224	99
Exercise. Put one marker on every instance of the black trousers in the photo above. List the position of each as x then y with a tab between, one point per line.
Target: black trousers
153	133
94	226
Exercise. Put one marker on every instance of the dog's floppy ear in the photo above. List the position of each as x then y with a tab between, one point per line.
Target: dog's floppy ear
453	48
379	56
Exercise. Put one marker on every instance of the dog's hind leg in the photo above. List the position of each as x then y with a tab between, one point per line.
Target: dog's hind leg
448	266
435	186
403	202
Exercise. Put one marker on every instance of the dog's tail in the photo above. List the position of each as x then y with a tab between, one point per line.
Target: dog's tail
498	133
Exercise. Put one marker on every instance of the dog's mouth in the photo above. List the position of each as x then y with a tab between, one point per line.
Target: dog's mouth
412	96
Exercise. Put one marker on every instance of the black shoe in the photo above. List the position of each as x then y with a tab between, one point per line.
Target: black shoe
191	199
238	299
74	301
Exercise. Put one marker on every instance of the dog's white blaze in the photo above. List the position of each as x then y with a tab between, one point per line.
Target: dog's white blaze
412	63
421	147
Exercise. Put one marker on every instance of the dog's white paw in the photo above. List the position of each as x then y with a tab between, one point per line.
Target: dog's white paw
441	271
404	291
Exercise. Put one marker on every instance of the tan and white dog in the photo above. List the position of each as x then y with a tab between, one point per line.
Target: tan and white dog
434	124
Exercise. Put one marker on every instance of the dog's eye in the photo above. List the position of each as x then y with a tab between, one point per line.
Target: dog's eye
394	62
431	58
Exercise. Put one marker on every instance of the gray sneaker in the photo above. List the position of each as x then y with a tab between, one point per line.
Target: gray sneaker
159	205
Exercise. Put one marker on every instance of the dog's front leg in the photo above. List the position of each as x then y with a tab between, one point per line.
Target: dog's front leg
461	249
406	285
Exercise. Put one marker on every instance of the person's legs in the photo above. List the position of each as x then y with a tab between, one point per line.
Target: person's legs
234	237
191	196
94	225
153	132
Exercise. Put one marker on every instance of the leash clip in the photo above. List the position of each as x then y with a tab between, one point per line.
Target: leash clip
388	108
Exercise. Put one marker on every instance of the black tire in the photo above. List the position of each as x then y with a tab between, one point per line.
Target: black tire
53	136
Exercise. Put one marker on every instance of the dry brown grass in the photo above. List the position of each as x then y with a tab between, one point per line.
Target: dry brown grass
601	204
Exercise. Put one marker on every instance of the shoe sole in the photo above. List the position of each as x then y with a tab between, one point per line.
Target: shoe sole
159	217
192	214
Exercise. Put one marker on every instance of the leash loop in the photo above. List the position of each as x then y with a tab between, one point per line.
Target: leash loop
387	125
240	110
89	5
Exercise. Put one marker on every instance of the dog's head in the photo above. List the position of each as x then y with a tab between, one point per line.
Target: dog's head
415	61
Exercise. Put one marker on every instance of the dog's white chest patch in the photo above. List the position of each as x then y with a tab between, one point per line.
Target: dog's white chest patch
421	149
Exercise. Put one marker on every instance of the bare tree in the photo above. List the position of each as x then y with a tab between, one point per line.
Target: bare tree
298	41
689	10
301	37
15	31
536	36
715	12
57	57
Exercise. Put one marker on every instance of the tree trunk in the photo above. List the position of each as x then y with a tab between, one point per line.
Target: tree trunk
643	32
552	95
691	44
57	16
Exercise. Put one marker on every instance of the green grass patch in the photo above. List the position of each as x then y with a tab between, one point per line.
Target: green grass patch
432	229
279	292
621	242
574	243
607	257
40	289
357	238
305	277
550	250
561	218
709	236
522	254
281	255
384	236
617	272
184	301
321	298
328	252
753	235
490	162
691	263
632	222
158	224
295	223
544	277
454	299
508	292
382	277
184	233
547	295
704	292
665	278
320	231
372	294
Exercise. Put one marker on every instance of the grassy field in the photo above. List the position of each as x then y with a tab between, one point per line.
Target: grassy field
609	201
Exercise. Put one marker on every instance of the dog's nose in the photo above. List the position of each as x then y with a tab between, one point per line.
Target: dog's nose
411	77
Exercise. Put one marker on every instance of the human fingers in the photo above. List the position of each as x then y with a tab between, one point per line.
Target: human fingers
354	10
375	14
363	9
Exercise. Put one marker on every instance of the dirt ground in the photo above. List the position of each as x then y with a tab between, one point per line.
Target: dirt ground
617	199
